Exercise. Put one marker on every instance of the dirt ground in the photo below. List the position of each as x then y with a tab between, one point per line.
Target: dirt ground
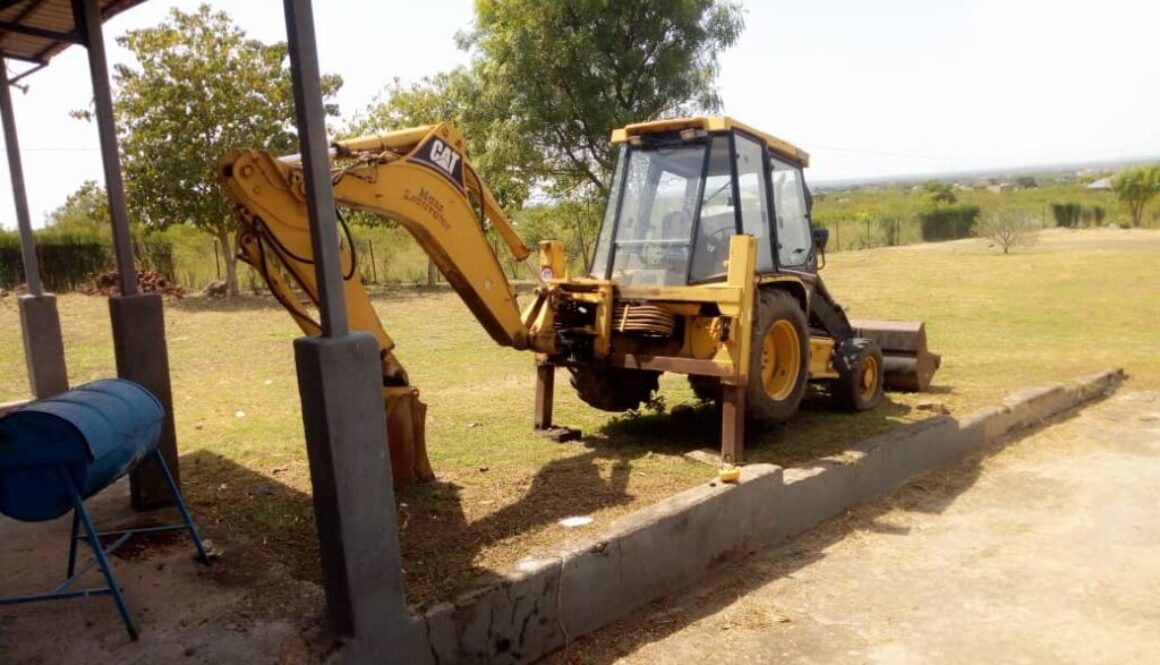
245	608
1042	552
1045	552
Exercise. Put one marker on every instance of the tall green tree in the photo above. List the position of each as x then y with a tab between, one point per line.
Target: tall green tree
571	72
507	164
199	88
1135	187
939	192
85	213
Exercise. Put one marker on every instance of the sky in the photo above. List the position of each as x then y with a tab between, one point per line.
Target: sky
870	88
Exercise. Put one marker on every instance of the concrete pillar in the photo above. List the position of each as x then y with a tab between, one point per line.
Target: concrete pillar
350	471
43	345
138	320
340	384
142	356
39	320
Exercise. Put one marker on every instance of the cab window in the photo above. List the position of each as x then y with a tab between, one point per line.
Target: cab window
754	203
792	226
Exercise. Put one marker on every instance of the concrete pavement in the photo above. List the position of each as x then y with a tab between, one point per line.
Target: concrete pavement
1047	551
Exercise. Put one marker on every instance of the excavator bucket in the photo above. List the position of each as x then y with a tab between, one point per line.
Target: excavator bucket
907	364
407	435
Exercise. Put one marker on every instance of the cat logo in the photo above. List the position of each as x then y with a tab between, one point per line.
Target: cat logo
444	158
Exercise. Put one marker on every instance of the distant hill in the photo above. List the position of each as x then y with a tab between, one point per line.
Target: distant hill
1053	172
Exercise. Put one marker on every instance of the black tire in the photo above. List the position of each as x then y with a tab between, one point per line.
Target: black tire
614	389
780	311
706	388
859	383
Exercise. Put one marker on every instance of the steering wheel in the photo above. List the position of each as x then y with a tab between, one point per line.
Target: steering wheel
717	244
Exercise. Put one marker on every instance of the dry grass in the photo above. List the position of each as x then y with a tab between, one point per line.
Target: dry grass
1078	302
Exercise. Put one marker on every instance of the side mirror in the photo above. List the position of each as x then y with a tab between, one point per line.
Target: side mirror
821	237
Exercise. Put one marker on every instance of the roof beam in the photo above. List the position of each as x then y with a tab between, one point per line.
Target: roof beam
24	58
32	31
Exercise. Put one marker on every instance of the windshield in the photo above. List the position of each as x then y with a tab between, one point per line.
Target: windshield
656	200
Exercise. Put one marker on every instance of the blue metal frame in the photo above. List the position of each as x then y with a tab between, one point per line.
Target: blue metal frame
101	554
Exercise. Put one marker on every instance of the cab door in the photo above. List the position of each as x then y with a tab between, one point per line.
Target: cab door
792	236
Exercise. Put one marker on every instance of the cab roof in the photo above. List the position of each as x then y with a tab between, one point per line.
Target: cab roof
712	124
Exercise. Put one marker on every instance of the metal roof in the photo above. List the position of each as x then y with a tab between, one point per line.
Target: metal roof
713	124
36	30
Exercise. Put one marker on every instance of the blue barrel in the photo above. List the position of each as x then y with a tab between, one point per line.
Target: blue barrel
93	433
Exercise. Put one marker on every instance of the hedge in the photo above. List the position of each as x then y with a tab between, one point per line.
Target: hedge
948	222
68	263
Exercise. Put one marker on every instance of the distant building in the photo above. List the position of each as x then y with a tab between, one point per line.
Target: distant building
1000	187
1103	184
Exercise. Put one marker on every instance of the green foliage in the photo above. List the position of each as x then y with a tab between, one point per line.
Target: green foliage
85	214
71	260
891	230
576	221
200	88
504	161
949	222
940	193
1135	187
1066	214
568	73
1093	216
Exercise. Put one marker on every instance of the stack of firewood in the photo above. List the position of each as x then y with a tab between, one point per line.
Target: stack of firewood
148	281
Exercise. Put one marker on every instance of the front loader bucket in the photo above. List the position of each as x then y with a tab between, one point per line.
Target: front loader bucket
407	435
907	364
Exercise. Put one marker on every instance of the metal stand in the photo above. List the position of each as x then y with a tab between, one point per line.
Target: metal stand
101	553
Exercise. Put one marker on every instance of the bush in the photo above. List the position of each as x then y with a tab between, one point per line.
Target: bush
1093	216
948	222
67	262
1007	229
1067	215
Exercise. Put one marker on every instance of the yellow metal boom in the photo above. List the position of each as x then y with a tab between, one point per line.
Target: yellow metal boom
421	179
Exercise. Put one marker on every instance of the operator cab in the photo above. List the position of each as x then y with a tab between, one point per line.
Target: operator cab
683	188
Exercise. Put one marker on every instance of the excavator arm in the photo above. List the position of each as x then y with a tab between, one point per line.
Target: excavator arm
421	179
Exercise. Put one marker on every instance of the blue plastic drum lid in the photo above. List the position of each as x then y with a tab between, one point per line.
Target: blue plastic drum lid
93	433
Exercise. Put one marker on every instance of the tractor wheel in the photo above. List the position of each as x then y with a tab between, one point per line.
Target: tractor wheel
859	383
614	389
780	359
706	388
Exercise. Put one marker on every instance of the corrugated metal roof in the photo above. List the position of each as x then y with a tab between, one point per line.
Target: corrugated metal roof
36	30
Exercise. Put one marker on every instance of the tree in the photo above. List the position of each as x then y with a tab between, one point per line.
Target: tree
506	163
1135	187
200	87
1008	228
571	72
85	213
939	192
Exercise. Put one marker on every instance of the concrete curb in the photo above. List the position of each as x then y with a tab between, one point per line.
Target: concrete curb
549	599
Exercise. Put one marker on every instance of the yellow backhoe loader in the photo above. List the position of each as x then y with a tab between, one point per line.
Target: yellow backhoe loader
705	265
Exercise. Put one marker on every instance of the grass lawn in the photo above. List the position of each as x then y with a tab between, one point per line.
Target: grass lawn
1078	302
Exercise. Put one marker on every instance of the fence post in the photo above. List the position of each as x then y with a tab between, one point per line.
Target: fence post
374	269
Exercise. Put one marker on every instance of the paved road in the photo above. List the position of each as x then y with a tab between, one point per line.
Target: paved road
1045	552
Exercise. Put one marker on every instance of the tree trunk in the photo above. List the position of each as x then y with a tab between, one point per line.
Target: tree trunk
231	261
432	272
